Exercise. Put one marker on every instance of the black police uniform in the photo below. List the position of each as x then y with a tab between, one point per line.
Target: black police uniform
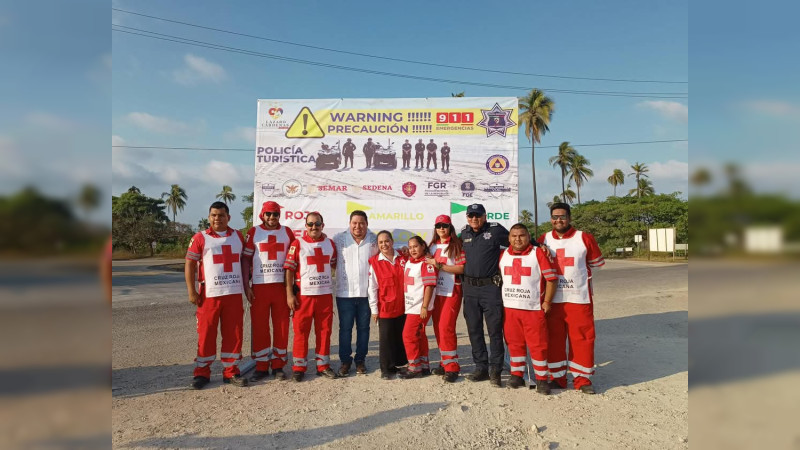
482	297
419	148
431	155
406	156
369	150
348	150
445	158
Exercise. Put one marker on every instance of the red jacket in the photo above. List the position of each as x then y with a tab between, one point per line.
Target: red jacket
389	280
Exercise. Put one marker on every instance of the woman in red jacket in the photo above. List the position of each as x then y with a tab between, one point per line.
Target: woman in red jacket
385	293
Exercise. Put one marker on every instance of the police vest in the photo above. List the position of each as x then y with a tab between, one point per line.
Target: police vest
222	264
315	267
447	280
271	246
522	279
414	289
569	257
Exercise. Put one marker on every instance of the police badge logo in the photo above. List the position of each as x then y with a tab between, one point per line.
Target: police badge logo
409	188
496	120
487	235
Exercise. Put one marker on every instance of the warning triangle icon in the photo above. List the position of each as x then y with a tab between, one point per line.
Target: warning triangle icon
305	126
497	164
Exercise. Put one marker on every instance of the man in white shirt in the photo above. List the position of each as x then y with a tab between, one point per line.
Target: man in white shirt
355	246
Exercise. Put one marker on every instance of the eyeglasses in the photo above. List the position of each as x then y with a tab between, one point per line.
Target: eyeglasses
442	225
313	224
560	217
272	214
474	215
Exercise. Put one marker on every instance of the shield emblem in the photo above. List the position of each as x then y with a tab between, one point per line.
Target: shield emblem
409	188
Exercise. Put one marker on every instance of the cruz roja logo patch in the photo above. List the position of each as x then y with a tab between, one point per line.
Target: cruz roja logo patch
496	120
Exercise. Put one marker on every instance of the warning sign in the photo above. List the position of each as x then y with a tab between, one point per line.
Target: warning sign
305	125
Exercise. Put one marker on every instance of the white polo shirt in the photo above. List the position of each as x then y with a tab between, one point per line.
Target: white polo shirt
352	271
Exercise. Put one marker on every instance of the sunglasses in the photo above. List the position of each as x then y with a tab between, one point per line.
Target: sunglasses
442	225
474	215
313	224
272	214
560	217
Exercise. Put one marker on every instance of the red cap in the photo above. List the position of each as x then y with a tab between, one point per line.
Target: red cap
269	207
443	219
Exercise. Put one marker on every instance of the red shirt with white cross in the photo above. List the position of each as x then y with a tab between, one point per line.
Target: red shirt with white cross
293	260
195	251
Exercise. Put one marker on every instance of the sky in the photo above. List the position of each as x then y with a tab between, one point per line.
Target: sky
171	94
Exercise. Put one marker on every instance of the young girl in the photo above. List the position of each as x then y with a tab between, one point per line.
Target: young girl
419	280
448	257
387	303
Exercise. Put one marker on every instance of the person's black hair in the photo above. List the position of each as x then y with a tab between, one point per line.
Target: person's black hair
316	213
560	205
391	238
519	226
421	242
219	205
361	213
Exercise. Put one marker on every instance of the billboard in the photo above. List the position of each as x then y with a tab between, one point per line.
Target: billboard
661	239
403	161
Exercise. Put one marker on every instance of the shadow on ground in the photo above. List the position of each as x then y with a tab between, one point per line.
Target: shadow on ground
309	437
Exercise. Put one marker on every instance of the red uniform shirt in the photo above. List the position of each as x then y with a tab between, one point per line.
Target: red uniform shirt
292	257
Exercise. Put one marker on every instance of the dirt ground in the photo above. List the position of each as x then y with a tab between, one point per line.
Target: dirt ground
641	313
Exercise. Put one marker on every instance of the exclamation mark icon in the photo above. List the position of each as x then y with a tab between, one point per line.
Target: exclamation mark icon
305	124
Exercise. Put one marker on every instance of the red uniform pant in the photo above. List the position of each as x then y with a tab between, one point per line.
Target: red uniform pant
523	327
416	342
270	300
445	315
576	322
318	308
227	313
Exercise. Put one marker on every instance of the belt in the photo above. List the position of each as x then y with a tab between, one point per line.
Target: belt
474	281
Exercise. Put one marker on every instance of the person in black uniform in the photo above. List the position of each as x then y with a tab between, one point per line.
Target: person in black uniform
431	155
407	155
419	157
483	242
348	149
445	158
369	150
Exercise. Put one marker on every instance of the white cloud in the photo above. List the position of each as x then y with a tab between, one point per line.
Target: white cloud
223	172
774	108
116	140
242	134
197	70
164	125
670	110
50	122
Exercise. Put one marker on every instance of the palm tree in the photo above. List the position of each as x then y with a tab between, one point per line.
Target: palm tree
203	224
565	155
227	194
701	177
175	199
580	172
460	94
535	112
134	190
643	189
89	198
525	216
639	170
617	178
569	195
